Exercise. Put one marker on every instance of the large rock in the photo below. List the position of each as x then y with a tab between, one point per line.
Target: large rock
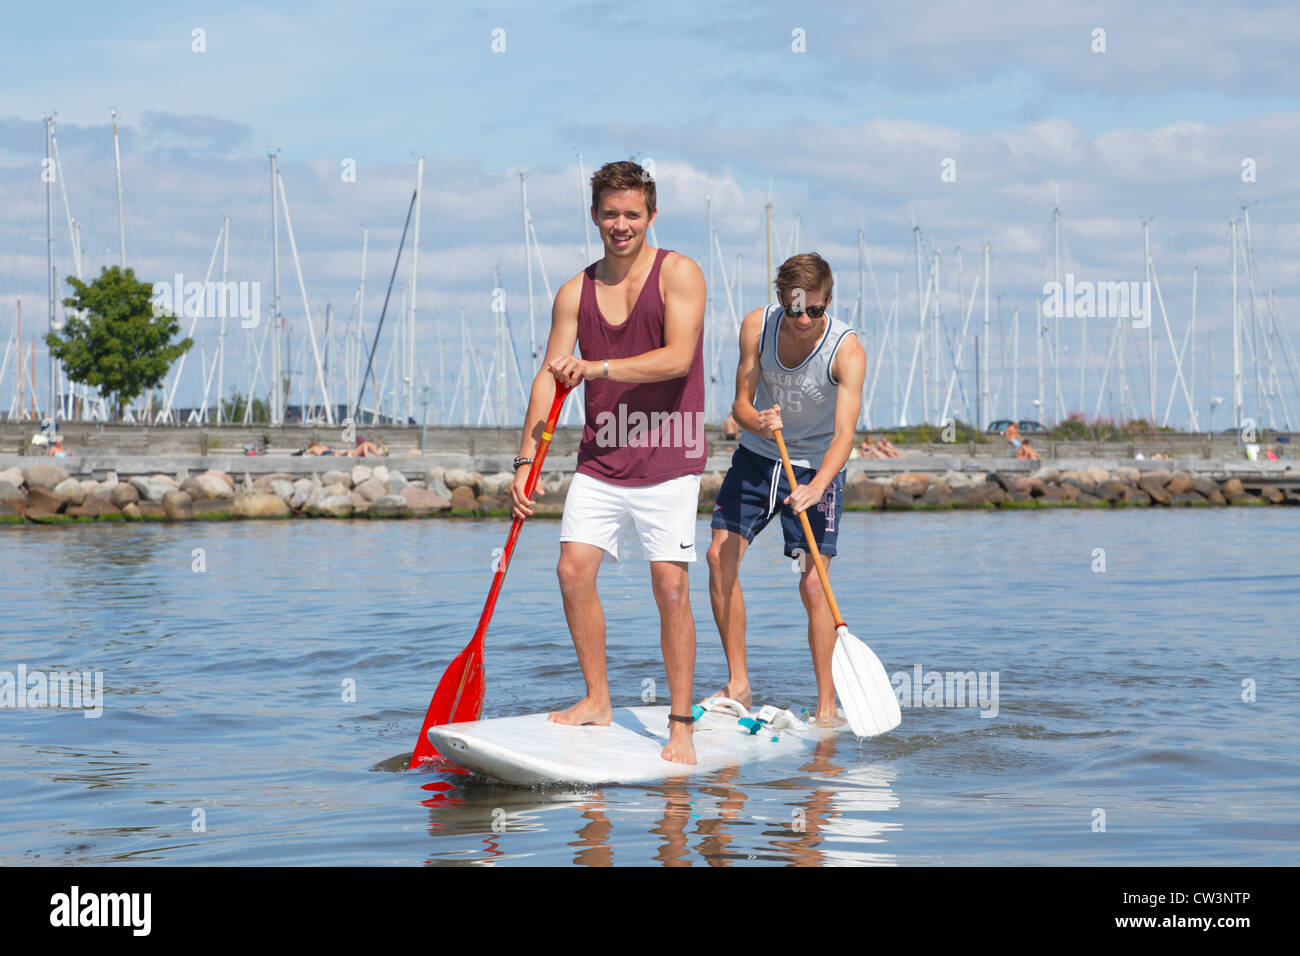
1272	493
192	488
43	502
302	490
177	506
422	501
463	499
1135	496
1180	483
318	495
336	506
123	494
489	503
1155	488
388	506
1233	488
216	484
266	483
332	477
396	482
361	473
12	475
372	489
283	489
9	490
1112	489
960	481
1128	473
151	489
864	494
1029	485
497	484
912	480
95	506
167	480
258	504
1206	486
70	489
213	507
381	472
936	496
1096	474
460	478
1066	491
1161	475
44	476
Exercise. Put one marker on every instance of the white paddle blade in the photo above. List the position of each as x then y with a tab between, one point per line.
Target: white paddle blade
863	687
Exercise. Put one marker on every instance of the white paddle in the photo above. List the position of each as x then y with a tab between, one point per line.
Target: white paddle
860	679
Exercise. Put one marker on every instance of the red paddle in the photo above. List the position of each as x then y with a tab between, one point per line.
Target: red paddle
460	692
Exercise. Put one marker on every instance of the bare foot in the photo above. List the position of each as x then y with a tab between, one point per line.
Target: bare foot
740	694
585	711
681	746
829	722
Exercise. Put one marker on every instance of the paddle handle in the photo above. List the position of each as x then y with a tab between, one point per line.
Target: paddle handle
534	474
807	533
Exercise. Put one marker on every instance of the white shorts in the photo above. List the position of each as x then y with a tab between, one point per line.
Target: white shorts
599	513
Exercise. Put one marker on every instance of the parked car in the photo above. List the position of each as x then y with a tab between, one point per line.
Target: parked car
1026	427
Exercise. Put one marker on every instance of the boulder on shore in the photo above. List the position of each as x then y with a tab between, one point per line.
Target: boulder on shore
44	476
258	504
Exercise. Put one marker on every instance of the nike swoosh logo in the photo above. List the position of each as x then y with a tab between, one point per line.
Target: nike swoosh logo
689	545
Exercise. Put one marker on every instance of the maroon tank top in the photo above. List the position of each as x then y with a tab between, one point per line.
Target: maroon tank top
644	433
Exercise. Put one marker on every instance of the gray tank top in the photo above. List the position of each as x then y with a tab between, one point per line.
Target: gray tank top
806	394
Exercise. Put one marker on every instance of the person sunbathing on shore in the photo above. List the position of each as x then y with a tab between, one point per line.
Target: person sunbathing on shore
366	449
1012	434
322	450
867	449
887	448
56	449
1025	450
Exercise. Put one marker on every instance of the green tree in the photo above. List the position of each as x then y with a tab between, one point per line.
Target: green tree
234	409
114	340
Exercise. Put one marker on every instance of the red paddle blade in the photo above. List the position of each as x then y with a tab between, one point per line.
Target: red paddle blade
459	697
460	692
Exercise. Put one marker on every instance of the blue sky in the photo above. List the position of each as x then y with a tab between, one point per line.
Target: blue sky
851	132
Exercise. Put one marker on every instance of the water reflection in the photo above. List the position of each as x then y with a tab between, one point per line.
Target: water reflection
831	812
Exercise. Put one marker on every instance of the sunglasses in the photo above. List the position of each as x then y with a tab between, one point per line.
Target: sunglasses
814	311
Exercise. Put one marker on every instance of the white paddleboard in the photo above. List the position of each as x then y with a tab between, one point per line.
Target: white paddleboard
532	750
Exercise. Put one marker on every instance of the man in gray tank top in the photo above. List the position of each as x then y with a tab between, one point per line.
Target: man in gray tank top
804	369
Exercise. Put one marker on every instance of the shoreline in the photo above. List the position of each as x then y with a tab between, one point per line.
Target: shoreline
135	488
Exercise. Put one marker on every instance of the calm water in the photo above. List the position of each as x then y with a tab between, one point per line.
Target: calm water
228	735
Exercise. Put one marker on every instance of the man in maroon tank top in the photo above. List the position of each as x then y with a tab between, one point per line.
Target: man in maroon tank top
637	317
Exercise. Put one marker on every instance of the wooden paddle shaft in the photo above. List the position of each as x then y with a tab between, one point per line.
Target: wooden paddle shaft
807	533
